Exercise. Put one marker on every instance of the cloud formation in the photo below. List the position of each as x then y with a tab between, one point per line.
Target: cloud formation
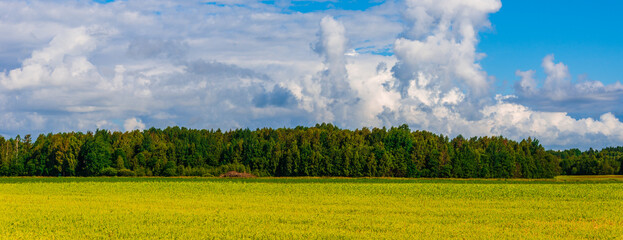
127	65
441	41
557	92
133	124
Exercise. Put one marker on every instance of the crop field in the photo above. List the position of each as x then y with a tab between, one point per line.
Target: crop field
310	208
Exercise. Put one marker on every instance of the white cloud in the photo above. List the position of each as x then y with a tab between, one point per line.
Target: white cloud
62	62
441	40
527	85
559	93
332	46
132	124
557	82
556	129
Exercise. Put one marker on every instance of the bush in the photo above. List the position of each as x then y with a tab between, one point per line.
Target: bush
234	167
168	172
126	173
181	170
194	171
260	173
217	171
140	172
109	171
169	169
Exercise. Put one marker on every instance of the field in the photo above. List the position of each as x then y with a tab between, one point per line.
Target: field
310	208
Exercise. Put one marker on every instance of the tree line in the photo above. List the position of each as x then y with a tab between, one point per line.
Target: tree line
322	150
591	162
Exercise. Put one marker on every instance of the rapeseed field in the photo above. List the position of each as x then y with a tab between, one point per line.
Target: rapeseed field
308	208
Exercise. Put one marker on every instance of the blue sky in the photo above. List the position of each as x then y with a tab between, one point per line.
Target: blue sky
544	69
584	35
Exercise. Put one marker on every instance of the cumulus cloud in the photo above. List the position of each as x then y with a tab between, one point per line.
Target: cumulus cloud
130	65
328	93
332	46
559	93
557	81
441	40
527	85
437	74
348	90
61	62
556	129
132	124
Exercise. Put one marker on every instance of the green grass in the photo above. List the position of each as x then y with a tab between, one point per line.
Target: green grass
593	178
304	208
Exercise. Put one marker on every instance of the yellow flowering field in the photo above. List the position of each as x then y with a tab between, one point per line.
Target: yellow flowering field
308	208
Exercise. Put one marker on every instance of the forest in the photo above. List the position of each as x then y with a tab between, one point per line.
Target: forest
322	150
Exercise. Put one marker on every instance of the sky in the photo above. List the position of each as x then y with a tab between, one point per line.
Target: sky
543	69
